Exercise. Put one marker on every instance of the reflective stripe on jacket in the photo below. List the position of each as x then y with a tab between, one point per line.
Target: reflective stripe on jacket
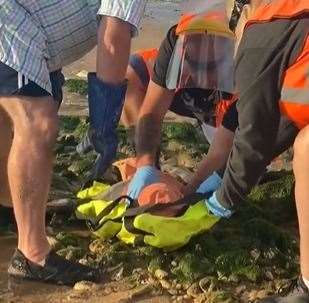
272	79
294	103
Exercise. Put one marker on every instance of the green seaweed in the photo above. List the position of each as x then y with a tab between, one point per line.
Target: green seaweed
190	268
77	86
256	243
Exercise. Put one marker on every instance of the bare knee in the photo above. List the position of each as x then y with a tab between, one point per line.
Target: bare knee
6	134
37	126
301	144
301	150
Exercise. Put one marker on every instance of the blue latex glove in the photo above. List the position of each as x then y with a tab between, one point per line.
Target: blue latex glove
105	107
143	177
216	208
210	185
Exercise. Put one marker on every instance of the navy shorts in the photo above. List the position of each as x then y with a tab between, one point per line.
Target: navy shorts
11	85
139	66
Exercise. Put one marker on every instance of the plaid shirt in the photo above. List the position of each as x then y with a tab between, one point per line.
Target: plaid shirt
40	36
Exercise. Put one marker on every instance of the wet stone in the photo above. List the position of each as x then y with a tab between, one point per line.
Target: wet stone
77	296
141	291
83	262
257	295
178	286
186	297
194	290
54	243
97	246
107	290
160	274
85	286
165	284
179	299
173	291
174	263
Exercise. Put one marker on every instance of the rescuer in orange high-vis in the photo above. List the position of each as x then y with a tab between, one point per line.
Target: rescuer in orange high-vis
194	68
272	79
197	95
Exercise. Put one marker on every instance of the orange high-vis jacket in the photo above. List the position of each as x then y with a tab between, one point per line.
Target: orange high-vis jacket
294	102
149	56
222	108
272	78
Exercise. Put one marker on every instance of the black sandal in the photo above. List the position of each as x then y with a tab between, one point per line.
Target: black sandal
56	270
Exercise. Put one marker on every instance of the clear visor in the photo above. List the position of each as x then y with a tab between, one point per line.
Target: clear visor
203	61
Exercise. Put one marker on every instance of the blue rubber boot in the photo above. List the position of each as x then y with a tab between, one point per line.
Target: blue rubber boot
105	107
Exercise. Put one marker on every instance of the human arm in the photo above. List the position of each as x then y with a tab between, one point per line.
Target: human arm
147	137
157	101
107	87
119	21
215	159
156	104
218	152
258	108
114	44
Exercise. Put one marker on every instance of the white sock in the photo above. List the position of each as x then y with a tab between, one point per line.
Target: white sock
306	282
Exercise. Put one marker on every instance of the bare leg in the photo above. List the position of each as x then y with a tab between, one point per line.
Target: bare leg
6	142
35	125
114	43
301	170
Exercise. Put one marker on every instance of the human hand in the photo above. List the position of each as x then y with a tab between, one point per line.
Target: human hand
143	177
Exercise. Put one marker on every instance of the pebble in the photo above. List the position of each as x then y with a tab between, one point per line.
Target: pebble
151	280
54	243
85	286
179	299
174	263
255	253
76	296
107	290
255	295
160	274
178	286
70	255
194	290
83	262
165	284
82	74
173	291
97	246
140	291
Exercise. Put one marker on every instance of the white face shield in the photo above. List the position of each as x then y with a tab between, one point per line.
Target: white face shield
202	60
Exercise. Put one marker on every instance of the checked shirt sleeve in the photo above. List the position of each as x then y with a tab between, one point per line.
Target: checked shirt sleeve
127	10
